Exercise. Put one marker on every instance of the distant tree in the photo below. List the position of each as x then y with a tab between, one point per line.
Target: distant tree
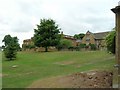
79	36
11	46
110	41
7	40
46	34
10	51
17	45
76	36
64	44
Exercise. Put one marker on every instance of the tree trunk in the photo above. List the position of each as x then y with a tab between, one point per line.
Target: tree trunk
46	49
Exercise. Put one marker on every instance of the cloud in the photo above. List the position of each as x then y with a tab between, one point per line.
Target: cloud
19	17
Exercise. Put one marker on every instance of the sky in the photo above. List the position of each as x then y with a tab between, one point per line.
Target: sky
20	17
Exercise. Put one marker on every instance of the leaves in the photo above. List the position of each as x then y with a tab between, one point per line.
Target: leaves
79	36
110	41
46	34
64	44
11	47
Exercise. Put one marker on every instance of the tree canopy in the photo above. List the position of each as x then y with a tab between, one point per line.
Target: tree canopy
11	46
46	34
110	41
64	44
79	36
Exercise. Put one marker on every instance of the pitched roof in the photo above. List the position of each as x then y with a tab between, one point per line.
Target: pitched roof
69	37
100	35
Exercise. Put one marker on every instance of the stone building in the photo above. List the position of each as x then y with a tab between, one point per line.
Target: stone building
75	42
72	39
95	38
90	38
29	42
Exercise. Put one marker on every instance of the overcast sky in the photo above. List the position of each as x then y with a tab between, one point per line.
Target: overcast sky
19	17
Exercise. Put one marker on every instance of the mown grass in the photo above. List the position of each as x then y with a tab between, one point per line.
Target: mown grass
34	66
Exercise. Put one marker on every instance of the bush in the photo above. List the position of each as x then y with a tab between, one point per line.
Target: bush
110	41
10	53
64	44
71	48
82	45
11	46
77	48
31	46
92	46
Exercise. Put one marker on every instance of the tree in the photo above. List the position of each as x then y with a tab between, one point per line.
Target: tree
110	41
79	36
11	46
46	34
64	44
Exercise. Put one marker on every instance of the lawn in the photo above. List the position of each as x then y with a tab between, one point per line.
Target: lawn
39	65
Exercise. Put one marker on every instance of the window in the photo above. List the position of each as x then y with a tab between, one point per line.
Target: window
87	39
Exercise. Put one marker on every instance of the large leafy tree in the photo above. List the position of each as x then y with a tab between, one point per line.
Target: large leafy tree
110	41
46	34
11	46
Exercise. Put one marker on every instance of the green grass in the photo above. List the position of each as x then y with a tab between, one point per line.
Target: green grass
35	66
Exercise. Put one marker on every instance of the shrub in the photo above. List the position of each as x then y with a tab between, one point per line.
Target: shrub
77	48
64	44
71	48
10	53
11	46
110	41
82	45
92	46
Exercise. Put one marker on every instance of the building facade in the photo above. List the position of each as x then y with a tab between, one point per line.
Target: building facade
97	39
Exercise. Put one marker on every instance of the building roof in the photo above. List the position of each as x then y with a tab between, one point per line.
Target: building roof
100	35
69	37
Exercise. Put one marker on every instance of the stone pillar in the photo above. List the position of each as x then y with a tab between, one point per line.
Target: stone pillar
116	10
